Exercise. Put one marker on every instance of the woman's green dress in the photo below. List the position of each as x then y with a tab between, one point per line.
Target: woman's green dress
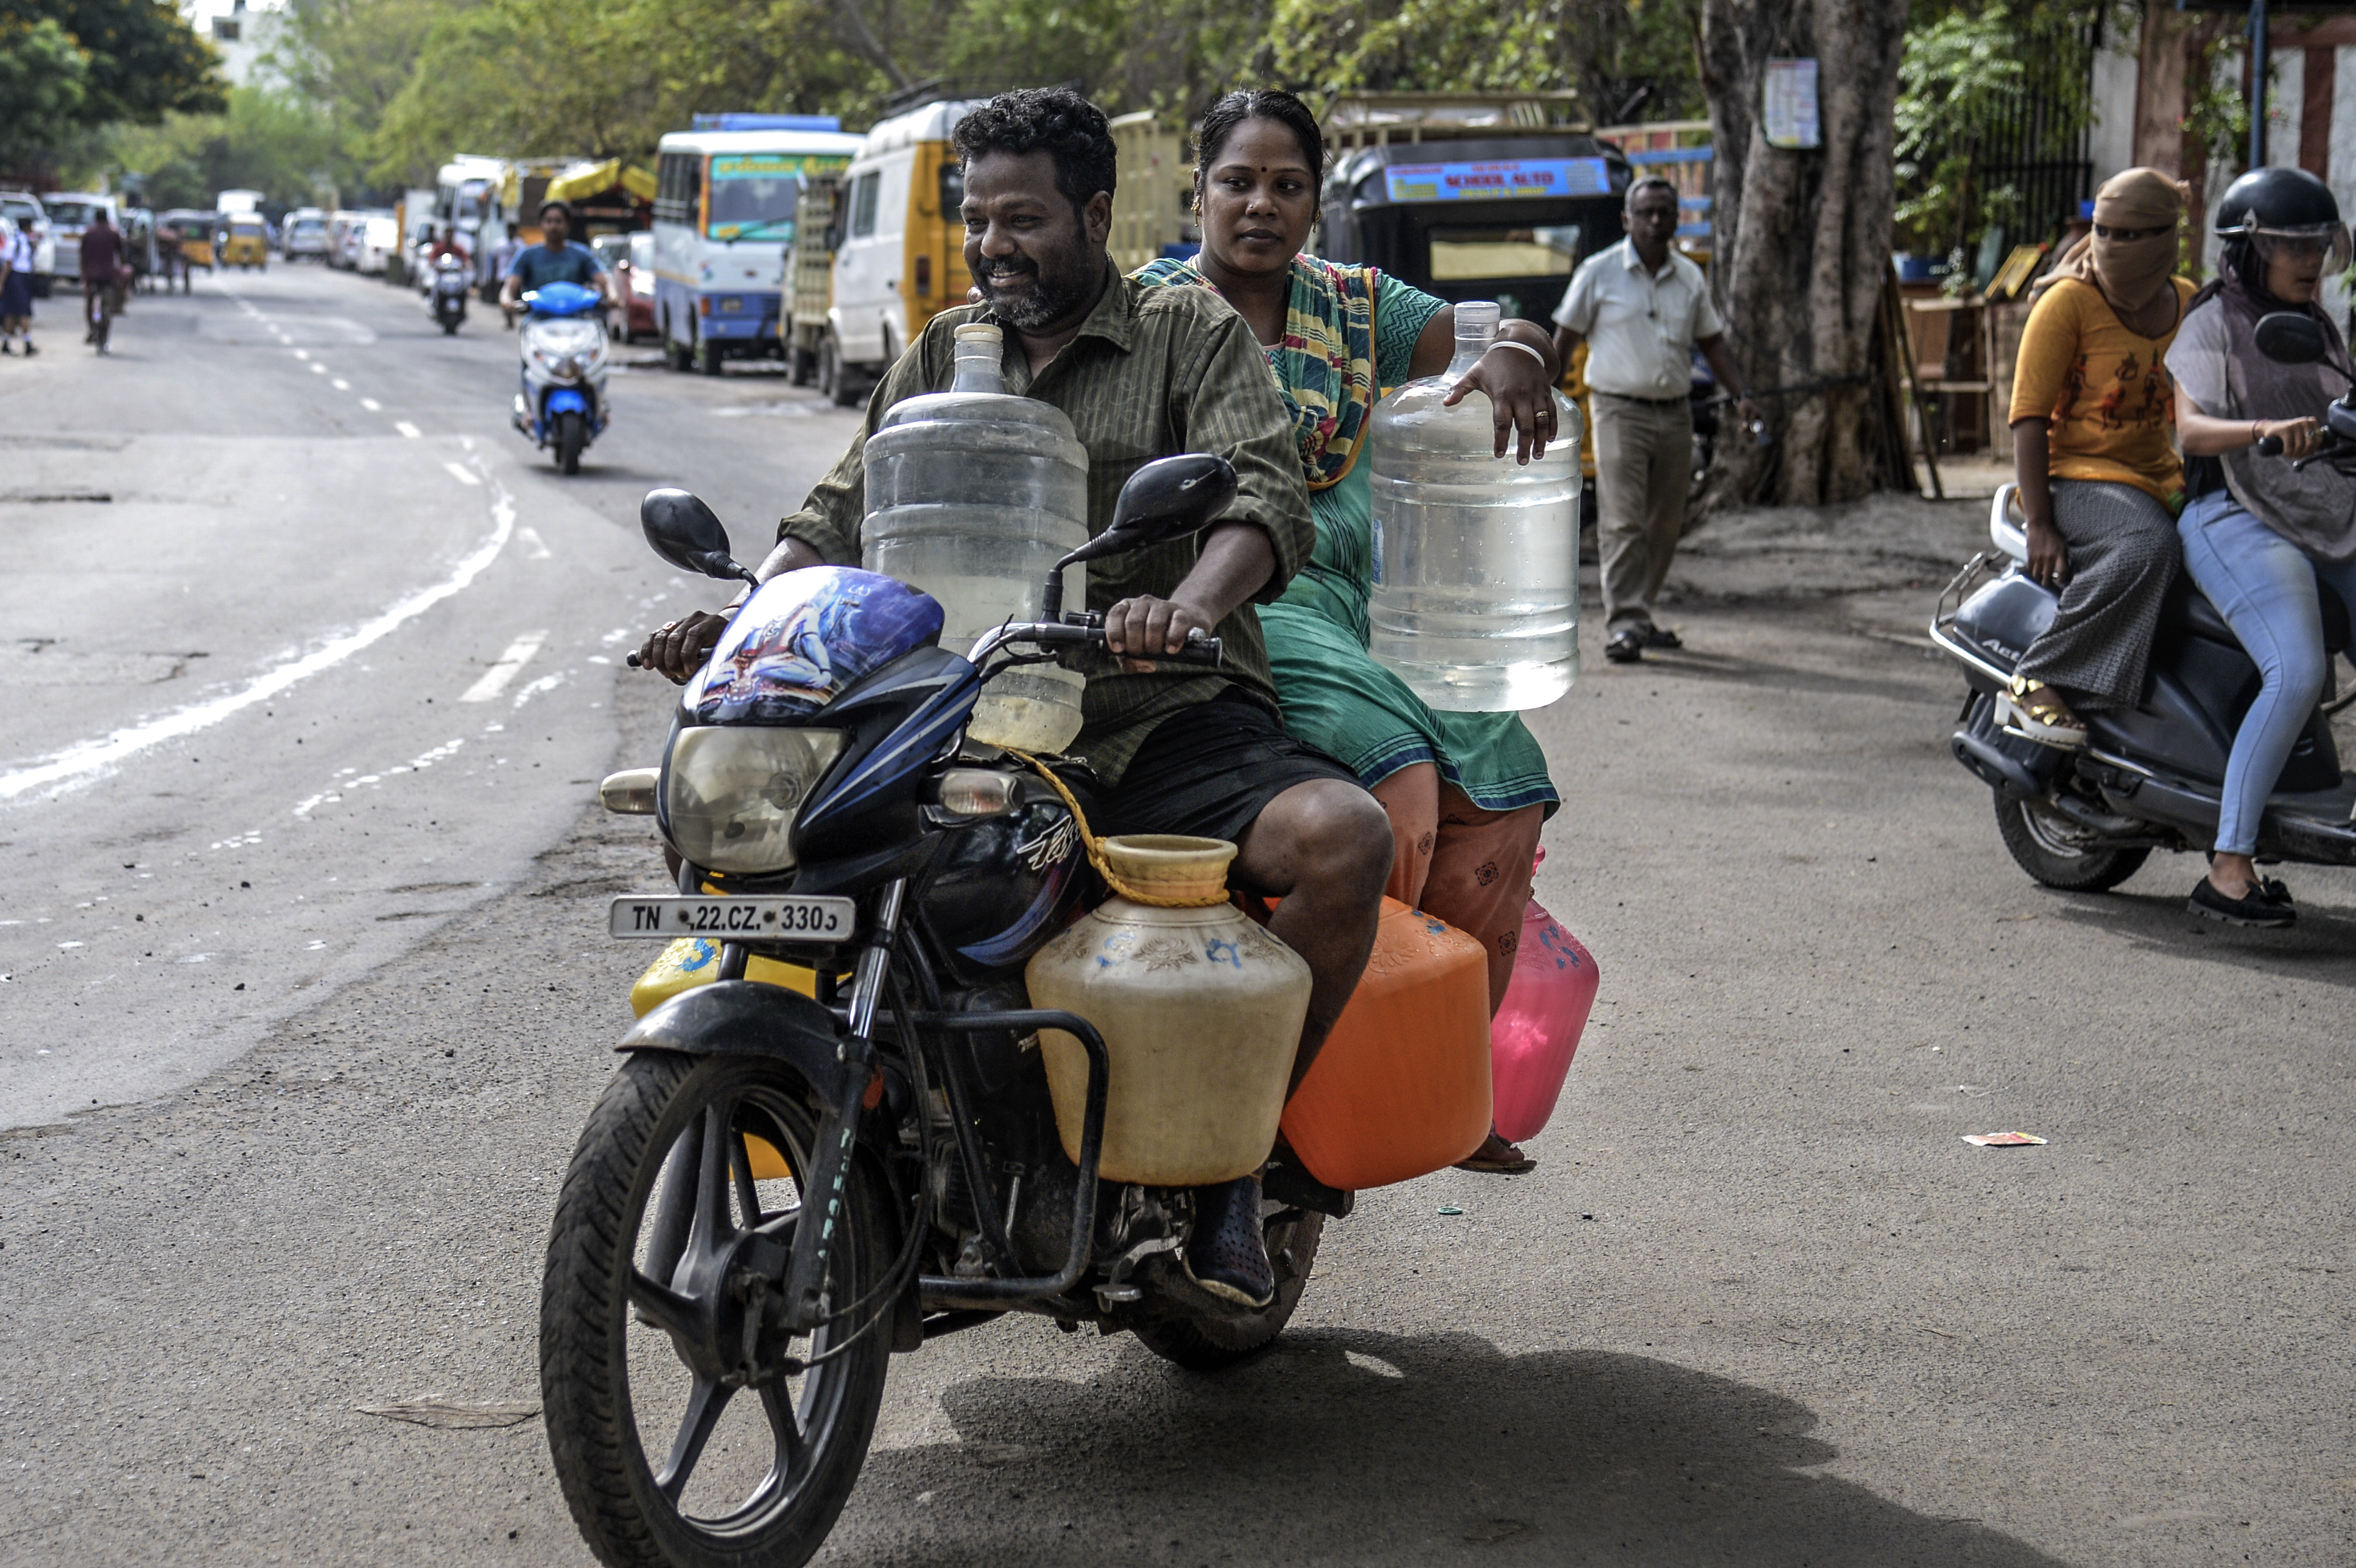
1334	694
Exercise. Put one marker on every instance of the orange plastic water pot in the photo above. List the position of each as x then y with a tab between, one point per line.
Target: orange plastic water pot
1401	1089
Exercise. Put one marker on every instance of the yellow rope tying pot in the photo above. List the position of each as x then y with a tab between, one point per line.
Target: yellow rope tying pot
1200	896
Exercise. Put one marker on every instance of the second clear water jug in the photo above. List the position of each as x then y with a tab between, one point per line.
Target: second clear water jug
972	494
1475	556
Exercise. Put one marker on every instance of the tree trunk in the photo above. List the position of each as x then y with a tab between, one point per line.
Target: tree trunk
1803	247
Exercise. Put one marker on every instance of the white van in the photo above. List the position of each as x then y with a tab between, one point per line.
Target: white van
70	212
899	256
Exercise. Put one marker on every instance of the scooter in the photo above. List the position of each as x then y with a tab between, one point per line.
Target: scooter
2150	778
446	302
562	403
910	873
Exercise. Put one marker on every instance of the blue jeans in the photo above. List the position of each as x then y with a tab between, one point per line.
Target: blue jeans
2264	587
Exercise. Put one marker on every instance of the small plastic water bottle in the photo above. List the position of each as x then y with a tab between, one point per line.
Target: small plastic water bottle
1475	556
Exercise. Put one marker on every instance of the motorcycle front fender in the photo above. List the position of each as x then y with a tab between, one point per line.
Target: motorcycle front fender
566	400
746	1018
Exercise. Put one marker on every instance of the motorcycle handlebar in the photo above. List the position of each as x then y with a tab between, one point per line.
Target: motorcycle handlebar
2269	446
1199	648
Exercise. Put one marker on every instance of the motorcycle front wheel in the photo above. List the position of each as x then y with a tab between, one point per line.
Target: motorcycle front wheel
572	435
669	1454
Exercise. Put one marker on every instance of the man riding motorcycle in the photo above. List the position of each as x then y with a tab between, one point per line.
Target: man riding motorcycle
1176	751
558	258
445	244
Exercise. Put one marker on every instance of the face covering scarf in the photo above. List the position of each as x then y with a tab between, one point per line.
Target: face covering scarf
2130	272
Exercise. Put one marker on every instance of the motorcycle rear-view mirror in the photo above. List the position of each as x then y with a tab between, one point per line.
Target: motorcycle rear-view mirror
1168	498
2290	338
683	531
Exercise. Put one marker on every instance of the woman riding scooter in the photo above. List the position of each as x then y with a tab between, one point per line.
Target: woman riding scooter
2257	534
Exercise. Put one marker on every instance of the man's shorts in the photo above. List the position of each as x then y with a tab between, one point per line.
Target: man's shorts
1209	771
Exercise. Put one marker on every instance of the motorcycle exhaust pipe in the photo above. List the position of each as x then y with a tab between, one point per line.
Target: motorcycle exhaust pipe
1992	766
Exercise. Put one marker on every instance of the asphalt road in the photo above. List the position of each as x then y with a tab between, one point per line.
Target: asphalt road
1872	1344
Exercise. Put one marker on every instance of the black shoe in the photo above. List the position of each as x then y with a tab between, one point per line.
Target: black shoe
2267	903
1655	638
29	349
1227	1255
1628	648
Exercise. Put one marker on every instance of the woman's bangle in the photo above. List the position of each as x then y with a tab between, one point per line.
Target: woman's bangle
2257	431
1497	343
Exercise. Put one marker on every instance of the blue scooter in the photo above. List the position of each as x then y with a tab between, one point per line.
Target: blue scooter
562	403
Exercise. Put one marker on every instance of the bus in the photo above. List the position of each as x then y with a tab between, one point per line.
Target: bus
725	195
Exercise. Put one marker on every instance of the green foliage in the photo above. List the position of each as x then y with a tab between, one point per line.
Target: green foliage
267	141
1969	80
140	60
44	81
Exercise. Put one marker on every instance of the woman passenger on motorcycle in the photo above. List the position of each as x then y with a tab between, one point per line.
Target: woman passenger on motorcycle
1466	793
2100	483
2258	537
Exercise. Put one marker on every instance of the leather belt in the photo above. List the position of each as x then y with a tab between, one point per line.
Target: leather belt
1652	401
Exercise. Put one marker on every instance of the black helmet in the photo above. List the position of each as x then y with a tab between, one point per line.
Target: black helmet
2281	201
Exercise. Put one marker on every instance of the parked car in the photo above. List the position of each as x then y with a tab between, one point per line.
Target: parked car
69	214
377	238
19	204
631	259
305	235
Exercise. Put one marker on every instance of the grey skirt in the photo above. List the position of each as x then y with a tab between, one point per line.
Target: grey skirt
2123	555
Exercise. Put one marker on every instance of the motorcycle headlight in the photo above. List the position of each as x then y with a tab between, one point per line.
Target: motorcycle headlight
731	795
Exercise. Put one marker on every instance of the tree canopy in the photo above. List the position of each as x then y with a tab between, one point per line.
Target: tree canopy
67	67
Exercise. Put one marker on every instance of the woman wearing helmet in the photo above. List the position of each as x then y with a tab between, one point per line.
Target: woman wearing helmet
2258	537
2100	483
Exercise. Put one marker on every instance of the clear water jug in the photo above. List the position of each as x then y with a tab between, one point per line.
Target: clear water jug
1200	1011
1475	556
972	494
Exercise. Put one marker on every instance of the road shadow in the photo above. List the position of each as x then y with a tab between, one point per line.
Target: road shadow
1342	1446
2321	947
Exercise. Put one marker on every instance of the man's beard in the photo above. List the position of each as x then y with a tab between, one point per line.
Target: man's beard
1051	296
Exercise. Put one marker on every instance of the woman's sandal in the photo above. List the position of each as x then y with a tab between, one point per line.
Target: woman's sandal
1497	1157
2037	712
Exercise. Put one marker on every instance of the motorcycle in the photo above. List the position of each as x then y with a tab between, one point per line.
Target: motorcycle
563	402
2150	778
446	300
910	872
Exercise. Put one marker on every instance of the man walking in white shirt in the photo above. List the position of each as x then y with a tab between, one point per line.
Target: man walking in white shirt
1642	309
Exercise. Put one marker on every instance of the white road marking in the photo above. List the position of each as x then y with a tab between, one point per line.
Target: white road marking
462	474
81	761
534	547
302	353
371	405
503	669
317	369
407	429
342	386
545	683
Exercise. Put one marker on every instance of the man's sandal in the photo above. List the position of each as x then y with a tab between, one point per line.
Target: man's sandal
1495	1156
2037	712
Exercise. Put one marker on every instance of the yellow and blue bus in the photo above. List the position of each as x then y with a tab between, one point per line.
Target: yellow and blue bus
724	201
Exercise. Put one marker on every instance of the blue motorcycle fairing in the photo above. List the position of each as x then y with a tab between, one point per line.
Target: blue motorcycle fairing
566	400
561	299
804	638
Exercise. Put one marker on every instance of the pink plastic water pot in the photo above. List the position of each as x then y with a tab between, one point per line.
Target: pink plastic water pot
1536	1030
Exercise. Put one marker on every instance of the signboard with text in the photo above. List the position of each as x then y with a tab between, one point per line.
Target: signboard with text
1514	179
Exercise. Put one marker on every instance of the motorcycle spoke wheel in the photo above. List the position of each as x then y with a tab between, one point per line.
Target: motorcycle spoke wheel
683	1435
2058	851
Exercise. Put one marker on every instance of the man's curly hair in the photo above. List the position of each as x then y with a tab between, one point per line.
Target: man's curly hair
1054	120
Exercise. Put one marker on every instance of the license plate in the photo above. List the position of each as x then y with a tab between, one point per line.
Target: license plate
784	919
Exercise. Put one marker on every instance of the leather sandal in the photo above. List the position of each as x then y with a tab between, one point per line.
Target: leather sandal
2038	711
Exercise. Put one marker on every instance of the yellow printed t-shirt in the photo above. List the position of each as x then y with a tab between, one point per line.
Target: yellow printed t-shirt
2106	391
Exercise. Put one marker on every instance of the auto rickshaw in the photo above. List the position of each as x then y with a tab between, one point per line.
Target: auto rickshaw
196	230
248	244
1479	211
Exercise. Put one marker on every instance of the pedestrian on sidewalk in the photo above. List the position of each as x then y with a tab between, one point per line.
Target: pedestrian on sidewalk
1642	309
16	285
102	272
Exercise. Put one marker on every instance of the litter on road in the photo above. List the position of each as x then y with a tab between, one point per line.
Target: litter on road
2002	1139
